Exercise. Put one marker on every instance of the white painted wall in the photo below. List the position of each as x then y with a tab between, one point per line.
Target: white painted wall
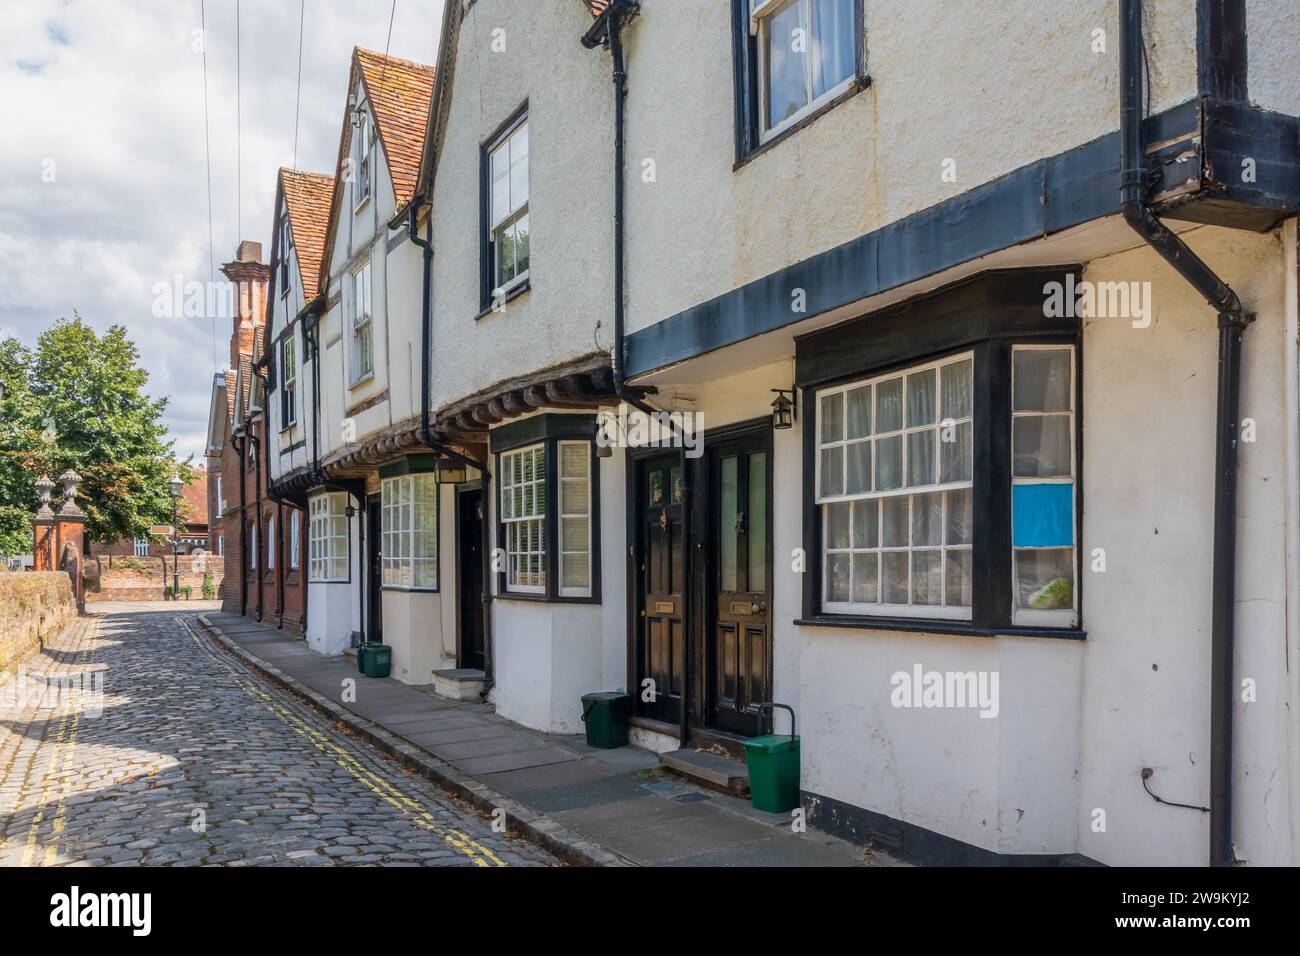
991	87
333	611
1273	54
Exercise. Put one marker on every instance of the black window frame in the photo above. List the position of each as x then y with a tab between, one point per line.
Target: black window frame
748	123
987	315
487	257
549	430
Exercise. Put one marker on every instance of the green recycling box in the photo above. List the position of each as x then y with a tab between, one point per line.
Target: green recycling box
378	659
607	714
773	761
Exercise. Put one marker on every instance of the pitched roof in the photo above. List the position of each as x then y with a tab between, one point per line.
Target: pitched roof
399	92
307	198
231	380
195	498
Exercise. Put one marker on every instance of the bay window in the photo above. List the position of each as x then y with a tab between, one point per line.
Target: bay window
942	482
409	509
327	531
547	508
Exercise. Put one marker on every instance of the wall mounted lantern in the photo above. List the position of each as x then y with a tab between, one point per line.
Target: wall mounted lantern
785	408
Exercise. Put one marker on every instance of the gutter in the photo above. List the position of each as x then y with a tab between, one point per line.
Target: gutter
608	31
430	442
1233	319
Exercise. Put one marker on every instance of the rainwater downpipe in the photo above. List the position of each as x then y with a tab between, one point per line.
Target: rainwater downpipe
240	441
426	436
1233	319
608	29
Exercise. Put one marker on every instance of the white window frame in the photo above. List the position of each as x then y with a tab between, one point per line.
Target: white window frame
289	383
517	525
326	548
364	143
362	327
140	546
221	545
562	516
253	527
497	224
295	544
928	611
761	16
285	247
401	529
1055	617
270	543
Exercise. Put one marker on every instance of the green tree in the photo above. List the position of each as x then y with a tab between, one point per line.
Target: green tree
78	402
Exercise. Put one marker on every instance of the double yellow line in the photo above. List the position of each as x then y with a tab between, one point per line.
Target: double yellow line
385	790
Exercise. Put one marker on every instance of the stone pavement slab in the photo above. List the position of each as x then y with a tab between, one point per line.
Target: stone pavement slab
619	804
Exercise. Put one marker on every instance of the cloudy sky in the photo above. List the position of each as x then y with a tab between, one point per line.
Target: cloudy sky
103	178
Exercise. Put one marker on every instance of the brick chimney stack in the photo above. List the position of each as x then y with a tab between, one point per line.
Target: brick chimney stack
250	277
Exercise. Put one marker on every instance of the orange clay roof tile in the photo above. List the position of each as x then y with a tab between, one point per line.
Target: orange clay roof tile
307	197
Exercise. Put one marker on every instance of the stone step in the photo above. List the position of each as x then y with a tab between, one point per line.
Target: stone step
459	683
708	769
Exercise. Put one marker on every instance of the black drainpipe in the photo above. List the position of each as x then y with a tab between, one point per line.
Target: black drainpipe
240	441
257	509
1233	319
426	436
608	30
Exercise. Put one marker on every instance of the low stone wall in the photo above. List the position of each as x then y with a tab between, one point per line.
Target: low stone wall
34	607
114	578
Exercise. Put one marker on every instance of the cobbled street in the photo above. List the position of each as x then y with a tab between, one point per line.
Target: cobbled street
196	761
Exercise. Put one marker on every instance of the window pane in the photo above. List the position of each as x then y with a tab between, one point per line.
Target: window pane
787	68
957	584
889	463
894	522
521	245
1045	578
833	44
837	577
927	519
573	535
859	400
574	460
956	384
920	457
757	531
927	577
837	525
893	573
519	184
832	418
955	456
920	398
574	498
889	406
866	524
960	520
832	471
500	197
519	143
866	584
730	505
1041	446
1042	380
859	479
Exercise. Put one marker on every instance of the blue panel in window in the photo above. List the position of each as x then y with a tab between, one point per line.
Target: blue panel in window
1042	516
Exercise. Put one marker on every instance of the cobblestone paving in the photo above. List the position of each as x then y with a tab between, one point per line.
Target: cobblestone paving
196	761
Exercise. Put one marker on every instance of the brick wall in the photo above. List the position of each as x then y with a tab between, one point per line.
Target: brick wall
113	578
34	607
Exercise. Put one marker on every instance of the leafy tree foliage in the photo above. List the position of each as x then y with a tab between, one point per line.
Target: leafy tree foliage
77	401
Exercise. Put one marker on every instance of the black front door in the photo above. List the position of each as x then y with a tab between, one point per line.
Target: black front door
374	626
660	587
469	570
739	652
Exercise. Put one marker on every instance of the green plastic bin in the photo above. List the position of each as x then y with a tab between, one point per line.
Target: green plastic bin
606	715
773	762
378	660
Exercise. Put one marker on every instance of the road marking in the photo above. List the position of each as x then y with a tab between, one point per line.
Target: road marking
416	811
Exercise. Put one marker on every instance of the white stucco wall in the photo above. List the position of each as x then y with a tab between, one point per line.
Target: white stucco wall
333	611
1273	54
570	197
991	88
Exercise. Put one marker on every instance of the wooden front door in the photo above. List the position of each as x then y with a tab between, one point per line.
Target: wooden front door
739	655
469	570
660	587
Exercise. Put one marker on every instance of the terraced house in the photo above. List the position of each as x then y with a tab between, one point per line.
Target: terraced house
978	330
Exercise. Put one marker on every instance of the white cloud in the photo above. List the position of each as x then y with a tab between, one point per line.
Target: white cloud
111	92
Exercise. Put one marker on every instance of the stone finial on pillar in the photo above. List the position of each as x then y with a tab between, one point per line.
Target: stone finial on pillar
43	556
71	480
45	488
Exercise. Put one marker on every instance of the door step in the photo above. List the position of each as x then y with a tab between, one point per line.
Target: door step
459	683
709	770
